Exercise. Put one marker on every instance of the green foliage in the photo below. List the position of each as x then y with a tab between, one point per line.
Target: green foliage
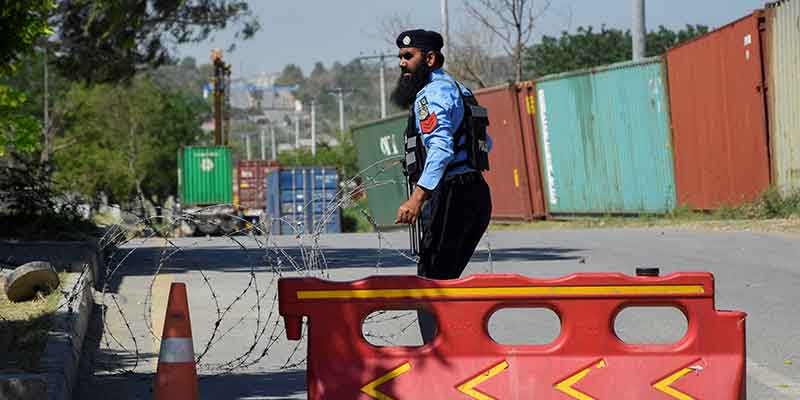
292	74
771	204
22	24
36	209
355	218
18	130
106	41
587	48
125	139
344	157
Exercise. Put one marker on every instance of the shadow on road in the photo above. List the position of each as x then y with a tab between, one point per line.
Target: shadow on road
144	261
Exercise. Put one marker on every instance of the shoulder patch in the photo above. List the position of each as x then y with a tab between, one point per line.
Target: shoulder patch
423	109
428	124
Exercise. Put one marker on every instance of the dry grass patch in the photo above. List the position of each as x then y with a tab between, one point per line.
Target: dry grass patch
24	327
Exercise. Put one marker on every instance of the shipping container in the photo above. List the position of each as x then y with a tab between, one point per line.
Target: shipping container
508	176
783	23
604	140
526	100
324	208
205	176
380	155
303	200
719	122
249	186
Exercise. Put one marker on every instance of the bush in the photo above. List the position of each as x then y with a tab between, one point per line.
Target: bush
32	209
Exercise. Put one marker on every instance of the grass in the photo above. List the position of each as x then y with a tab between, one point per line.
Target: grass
770	212
23	329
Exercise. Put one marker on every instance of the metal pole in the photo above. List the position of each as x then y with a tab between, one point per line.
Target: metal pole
639	30
249	152
445	28
341	110
296	130
383	88
272	140
313	127
263	143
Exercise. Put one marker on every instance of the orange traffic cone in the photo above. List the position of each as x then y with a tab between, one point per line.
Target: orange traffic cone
176	376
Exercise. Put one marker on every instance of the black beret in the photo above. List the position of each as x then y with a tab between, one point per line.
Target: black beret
421	39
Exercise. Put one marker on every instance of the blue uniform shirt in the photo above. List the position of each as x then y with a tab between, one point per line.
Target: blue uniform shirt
439	110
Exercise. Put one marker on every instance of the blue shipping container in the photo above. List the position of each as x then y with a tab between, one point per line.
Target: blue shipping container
303	200
605	140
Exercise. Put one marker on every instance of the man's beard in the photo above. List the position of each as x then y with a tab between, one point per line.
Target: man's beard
409	85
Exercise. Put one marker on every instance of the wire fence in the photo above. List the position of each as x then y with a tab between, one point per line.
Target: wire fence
232	284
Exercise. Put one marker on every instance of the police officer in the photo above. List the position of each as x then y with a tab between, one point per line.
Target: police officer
458	202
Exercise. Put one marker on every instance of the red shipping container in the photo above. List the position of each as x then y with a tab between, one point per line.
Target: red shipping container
717	100
510	177
250	184
526	101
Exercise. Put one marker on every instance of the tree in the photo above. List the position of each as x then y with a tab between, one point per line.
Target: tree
123	140
587	48
107	41
22	24
292	74
512	21
471	60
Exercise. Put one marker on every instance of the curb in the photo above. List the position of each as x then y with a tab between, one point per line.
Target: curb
70	256
61	357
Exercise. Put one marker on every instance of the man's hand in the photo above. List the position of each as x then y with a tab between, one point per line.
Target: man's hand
409	211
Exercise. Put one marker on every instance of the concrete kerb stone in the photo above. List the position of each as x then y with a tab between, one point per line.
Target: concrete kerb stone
63	256
61	357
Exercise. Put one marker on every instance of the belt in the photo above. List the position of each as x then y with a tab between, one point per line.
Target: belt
466	177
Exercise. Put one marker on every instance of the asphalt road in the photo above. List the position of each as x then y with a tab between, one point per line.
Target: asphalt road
755	273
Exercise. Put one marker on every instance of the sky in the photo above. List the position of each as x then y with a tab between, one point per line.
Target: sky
304	32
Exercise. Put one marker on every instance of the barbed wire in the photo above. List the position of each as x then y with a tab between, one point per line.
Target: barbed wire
149	246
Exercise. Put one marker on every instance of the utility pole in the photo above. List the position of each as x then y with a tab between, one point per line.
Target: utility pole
639	30
296	130
313	127
381	57
272	141
383	88
445	28
247	144
263	143
341	110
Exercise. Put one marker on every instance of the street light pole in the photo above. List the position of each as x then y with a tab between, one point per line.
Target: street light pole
313	127
445	28
341	110
272	141
383	88
263	143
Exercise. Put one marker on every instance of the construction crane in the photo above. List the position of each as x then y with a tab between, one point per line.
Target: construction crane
222	97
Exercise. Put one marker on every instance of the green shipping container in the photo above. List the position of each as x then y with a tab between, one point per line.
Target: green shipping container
380	156
605	140
205	176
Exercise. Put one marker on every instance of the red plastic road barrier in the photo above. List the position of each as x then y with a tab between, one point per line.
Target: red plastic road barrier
587	361
176	376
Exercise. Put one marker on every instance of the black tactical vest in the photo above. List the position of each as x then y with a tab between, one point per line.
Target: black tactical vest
473	127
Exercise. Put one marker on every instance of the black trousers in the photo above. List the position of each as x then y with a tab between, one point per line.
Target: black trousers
454	221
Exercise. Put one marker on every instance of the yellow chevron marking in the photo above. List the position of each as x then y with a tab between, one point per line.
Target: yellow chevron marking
664	384
468	387
565	386
371	390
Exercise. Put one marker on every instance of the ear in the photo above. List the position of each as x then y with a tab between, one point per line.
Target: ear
430	59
